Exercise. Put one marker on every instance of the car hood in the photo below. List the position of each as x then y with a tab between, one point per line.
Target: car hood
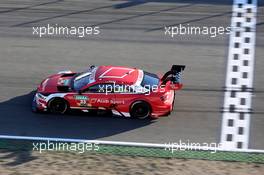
56	83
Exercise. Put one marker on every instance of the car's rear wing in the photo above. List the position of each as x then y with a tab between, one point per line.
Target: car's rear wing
173	75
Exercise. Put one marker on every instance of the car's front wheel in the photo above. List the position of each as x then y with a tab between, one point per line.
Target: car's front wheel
58	106
140	110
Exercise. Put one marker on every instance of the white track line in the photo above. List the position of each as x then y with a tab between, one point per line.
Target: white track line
135	144
239	77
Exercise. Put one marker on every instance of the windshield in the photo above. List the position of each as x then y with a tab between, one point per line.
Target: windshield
150	80
81	80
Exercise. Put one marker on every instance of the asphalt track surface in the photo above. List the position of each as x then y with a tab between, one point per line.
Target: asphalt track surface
131	35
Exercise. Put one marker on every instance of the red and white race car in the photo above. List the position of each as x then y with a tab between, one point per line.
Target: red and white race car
128	92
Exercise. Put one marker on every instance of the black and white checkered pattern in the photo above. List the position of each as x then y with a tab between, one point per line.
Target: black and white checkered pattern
239	78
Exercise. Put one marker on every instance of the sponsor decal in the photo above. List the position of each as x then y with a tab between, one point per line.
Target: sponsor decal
80	97
106	101
82	100
120	102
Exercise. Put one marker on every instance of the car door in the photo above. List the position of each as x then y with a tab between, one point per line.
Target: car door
97	96
124	96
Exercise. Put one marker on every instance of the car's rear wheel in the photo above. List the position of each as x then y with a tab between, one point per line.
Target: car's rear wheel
140	110
58	106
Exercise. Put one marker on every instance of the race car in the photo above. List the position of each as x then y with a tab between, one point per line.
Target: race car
123	91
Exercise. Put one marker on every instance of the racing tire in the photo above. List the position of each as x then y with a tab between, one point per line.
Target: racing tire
140	110
58	106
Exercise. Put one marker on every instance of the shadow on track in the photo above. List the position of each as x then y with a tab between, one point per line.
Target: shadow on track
125	4
129	3
32	6
142	15
14	158
61	15
17	119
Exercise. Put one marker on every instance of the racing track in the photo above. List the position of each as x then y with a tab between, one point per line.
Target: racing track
131	35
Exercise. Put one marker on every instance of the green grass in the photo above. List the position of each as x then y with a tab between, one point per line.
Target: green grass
151	152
